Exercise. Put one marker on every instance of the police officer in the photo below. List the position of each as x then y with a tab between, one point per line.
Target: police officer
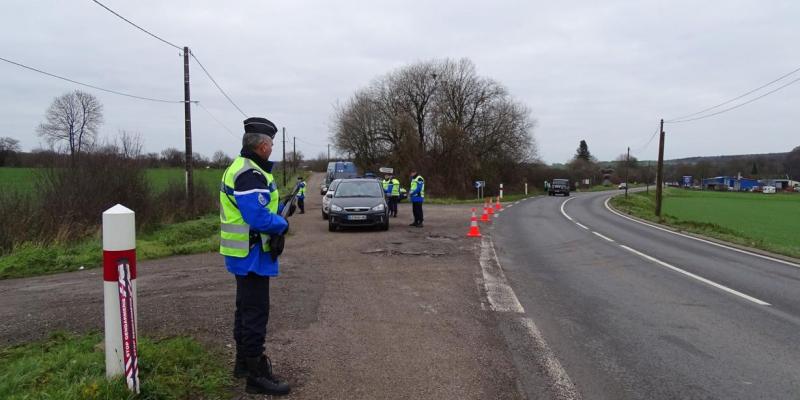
301	195
394	195
417	194
249	207
385	184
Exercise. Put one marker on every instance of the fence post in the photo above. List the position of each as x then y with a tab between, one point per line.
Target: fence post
119	293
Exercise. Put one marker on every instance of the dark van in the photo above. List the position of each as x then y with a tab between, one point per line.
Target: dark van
559	186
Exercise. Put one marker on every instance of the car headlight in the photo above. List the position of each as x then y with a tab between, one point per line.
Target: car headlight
334	207
379	207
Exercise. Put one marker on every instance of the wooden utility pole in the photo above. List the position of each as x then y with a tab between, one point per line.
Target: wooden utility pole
329	152
627	166
284	157
294	155
660	171
187	110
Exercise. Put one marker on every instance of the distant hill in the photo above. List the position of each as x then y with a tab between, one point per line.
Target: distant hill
764	157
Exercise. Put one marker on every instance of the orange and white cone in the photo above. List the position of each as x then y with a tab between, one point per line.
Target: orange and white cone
498	206
485	216
473	226
489	206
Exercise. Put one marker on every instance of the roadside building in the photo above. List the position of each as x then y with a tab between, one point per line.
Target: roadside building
730	183
781	184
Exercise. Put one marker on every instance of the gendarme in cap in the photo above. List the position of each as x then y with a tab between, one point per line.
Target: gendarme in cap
260	125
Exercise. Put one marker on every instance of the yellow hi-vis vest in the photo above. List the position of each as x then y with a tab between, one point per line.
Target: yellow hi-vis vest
234	231
415	183
395	187
385	184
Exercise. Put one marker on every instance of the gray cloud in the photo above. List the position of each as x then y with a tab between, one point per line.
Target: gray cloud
600	71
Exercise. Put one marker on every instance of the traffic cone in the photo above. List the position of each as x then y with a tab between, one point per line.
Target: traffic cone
485	216
498	206
489	206
473	226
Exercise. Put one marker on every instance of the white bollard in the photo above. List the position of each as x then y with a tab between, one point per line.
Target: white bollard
501	190
119	268
526	188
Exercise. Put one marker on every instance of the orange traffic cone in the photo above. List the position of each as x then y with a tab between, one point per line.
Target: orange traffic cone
498	206
489	206
473	226
485	216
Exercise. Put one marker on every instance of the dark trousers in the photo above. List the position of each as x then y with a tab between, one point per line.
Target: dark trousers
301	204
417	210
393	200
252	314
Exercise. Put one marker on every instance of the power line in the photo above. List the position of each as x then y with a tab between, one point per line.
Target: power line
310	143
677	119
91	86
736	106
137	26
216	84
215	119
643	148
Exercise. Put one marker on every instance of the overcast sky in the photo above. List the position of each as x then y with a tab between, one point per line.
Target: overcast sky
603	71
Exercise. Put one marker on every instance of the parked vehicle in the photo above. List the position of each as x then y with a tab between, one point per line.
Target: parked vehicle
326	199
559	186
338	170
358	202
768	189
622	185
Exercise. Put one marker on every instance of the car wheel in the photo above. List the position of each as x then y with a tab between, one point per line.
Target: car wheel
331	226
566	194
324	216
385	226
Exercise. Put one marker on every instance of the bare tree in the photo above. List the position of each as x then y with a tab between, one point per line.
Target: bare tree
172	157
8	148
130	144
72	121
220	159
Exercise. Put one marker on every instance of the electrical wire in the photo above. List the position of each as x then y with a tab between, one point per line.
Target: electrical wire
678	119
91	86
653	136
216	84
310	143
736	106
215	119
137	26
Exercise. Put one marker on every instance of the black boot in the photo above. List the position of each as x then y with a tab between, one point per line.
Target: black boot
260	379
239	367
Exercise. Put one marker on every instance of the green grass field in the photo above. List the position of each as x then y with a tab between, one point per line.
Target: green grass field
22	179
770	222
71	367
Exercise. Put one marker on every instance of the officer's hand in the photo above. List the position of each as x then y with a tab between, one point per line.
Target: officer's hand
285	231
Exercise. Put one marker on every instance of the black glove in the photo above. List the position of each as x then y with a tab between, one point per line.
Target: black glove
277	242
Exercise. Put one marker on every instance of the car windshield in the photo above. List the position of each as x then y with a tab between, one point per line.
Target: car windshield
359	189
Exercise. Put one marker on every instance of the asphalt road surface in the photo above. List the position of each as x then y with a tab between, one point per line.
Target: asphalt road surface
622	310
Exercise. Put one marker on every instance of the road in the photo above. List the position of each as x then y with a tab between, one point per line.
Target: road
628	311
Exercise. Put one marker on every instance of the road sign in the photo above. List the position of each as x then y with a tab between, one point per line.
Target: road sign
479	184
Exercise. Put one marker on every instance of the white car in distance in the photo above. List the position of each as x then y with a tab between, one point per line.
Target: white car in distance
326	199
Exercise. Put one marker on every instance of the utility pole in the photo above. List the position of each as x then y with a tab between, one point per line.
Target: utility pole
627	166
284	157
294	155
187	110
329	152
660	171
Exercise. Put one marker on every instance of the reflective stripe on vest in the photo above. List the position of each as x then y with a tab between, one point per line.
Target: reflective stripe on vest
234	232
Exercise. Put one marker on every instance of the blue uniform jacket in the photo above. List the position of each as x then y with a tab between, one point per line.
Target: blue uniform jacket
415	195
252	197
301	195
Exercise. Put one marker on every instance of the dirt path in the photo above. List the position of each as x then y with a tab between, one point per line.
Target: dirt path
355	314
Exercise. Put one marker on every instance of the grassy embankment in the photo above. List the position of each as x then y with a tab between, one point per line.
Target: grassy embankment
767	222
70	367
188	237
602	188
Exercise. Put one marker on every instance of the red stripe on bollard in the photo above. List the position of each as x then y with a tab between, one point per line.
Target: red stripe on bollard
111	260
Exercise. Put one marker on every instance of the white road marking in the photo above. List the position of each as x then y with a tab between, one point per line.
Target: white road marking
581	225
603	236
697	277
562	209
501	296
777	260
565	389
510	205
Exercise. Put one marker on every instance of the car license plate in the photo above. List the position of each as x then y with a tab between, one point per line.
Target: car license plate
356	217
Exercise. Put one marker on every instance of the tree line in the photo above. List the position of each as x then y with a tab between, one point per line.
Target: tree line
440	118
